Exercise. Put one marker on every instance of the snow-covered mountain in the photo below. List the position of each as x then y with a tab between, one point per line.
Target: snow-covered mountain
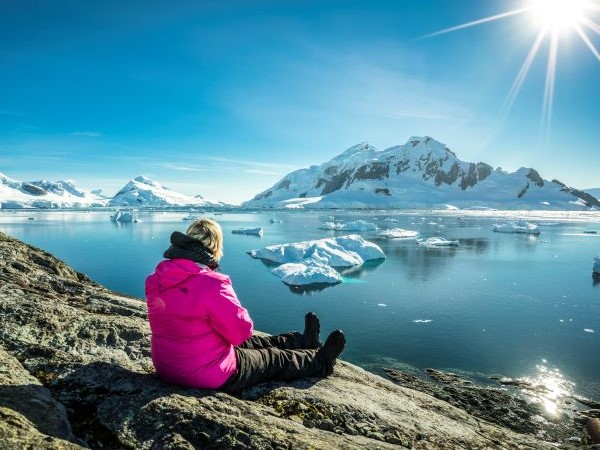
422	173
595	192
45	194
143	192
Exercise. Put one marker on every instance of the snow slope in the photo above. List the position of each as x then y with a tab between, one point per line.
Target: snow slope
45	194
422	173
143	192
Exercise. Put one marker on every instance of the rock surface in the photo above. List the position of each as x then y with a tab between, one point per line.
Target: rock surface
75	372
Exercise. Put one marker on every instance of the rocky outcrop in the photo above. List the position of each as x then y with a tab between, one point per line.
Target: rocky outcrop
75	372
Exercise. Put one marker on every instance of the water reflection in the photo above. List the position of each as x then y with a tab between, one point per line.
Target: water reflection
552	389
310	289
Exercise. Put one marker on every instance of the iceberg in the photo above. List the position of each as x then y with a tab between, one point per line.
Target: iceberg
399	233
306	273
343	251
313	262
519	226
123	217
437	242
254	231
358	225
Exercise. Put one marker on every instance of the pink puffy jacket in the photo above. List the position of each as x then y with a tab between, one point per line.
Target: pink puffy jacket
195	319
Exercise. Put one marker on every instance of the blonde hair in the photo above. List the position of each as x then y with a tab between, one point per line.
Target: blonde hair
210	234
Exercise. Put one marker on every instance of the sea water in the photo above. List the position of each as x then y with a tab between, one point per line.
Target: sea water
498	304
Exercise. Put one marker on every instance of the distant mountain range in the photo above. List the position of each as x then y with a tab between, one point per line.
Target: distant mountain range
138	192
143	192
423	173
45	194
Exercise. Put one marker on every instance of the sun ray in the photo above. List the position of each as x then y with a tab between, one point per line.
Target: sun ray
549	87
554	19
476	22
591	24
520	78
587	41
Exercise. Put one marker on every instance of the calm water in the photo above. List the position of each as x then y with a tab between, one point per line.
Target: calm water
500	304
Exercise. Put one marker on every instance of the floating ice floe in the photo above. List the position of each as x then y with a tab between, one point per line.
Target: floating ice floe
311	262
596	270
124	217
390	220
307	272
437	242
358	225
253	231
519	226
399	233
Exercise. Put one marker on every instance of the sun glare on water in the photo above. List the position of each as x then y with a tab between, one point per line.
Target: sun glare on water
553	19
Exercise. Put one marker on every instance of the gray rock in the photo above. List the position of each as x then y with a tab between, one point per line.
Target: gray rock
88	349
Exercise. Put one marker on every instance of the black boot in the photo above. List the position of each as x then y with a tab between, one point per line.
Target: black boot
312	328
334	346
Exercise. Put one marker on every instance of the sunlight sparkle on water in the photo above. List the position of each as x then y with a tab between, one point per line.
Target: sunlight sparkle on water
552	388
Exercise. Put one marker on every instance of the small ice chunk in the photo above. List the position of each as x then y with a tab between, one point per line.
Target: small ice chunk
390	220
422	321
358	225
123	216
275	221
399	233
437	242
383	305
588	330
520	226
254	231
305	273
596	269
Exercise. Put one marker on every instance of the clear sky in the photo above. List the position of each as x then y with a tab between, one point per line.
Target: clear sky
224	98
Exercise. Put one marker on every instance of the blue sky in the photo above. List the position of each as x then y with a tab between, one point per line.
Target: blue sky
224	98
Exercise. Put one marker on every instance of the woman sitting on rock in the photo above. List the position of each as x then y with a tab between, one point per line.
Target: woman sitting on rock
202	336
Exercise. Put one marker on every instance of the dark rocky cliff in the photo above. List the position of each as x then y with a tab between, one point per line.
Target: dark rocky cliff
75	372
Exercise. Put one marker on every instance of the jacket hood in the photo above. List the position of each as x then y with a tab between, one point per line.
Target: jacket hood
173	272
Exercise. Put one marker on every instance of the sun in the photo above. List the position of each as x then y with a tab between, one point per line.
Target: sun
553	19
559	15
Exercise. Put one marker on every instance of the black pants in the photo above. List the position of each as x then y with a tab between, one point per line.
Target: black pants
271	358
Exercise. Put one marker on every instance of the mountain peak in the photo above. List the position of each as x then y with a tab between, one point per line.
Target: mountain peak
359	149
145	180
428	143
